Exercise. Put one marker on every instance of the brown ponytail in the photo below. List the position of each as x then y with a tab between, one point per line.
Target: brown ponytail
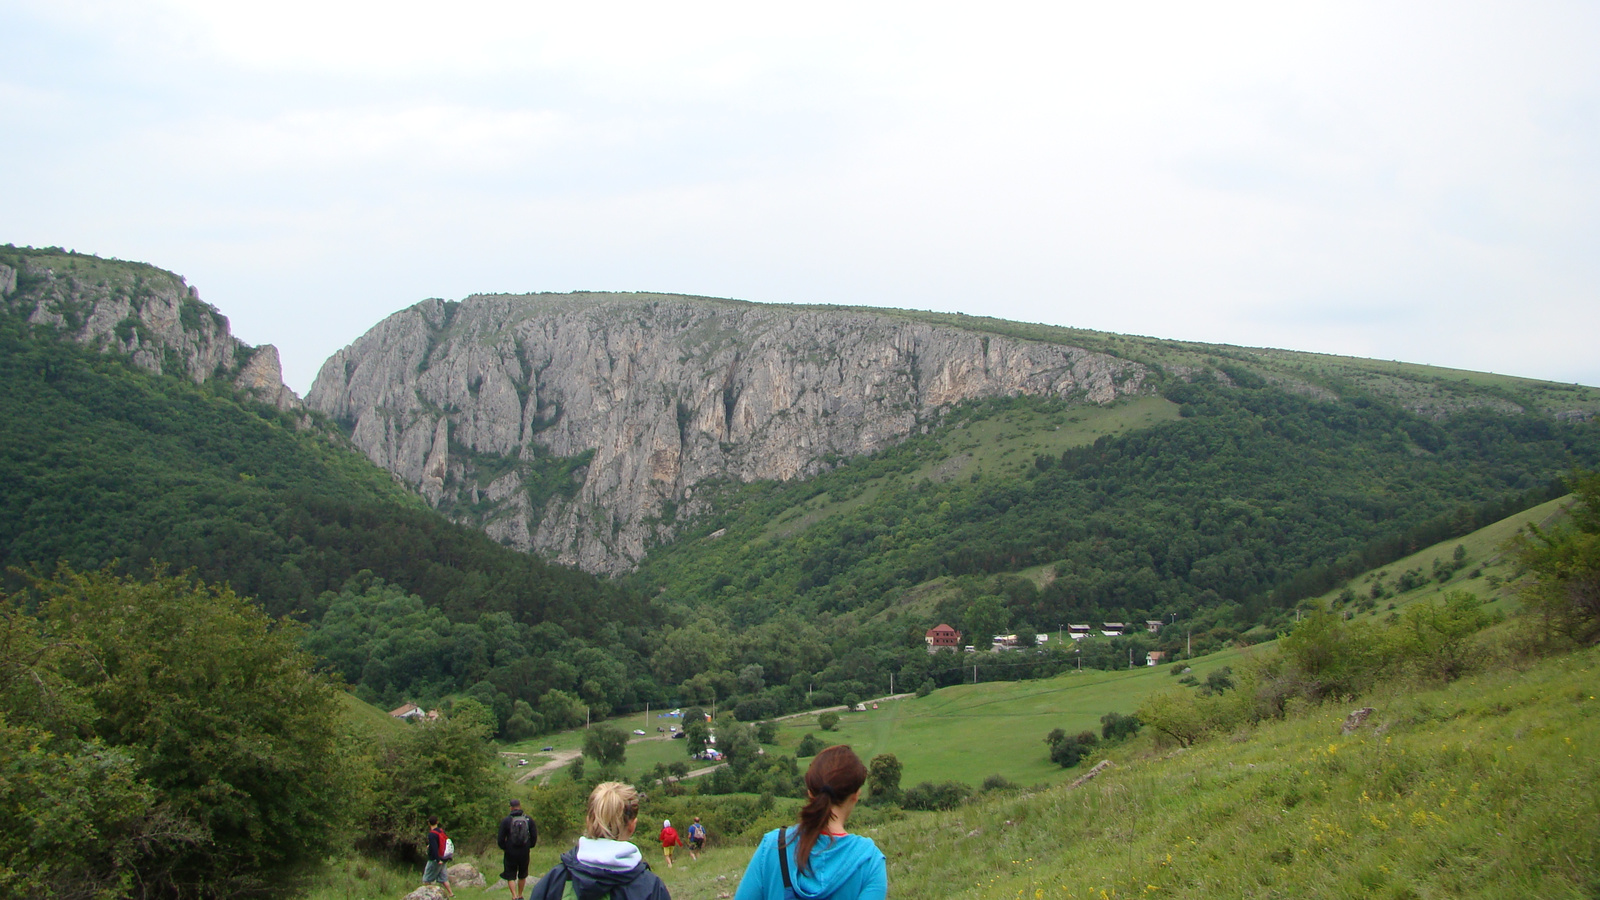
835	774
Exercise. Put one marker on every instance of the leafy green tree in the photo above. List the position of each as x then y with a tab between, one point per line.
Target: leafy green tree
1437	637
194	709
1067	749
1117	727
738	744
698	733
767	732
472	712
883	778
986	617
828	720
808	746
1565	562
1176	714
606	745
561	710
444	768
752	678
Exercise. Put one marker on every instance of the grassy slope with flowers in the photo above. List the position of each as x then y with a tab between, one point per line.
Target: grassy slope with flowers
1482	788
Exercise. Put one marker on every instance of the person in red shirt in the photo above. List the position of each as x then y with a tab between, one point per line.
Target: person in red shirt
669	840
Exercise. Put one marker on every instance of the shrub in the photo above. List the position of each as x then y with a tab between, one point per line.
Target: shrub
1067	749
884	778
1116	726
809	745
767	732
927	687
930	796
997	783
827	721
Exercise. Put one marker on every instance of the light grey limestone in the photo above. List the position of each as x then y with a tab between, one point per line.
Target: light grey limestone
666	391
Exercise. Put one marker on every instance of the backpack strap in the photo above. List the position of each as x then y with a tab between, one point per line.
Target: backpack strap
783	860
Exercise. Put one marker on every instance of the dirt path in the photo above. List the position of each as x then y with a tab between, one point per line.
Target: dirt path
867	703
562	758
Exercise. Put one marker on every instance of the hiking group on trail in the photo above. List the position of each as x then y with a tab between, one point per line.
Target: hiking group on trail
815	859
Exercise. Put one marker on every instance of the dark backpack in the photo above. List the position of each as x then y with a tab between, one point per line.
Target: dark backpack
520	835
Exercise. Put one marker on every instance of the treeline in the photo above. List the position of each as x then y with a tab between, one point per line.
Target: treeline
104	463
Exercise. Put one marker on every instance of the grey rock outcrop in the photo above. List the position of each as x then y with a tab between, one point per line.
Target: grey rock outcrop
149	314
580	425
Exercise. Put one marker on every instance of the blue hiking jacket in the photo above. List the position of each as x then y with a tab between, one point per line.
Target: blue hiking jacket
846	868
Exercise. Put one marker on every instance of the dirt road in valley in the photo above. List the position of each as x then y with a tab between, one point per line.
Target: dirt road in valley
561	758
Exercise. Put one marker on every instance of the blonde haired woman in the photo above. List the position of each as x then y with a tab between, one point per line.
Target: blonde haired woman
605	864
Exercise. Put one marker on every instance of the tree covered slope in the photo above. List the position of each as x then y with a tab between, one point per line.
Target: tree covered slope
104	463
1249	495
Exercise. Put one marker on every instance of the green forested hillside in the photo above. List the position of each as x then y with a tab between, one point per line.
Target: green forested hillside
103	462
1252	499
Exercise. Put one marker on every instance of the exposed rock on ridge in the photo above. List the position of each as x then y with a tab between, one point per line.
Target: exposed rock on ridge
149	314
641	398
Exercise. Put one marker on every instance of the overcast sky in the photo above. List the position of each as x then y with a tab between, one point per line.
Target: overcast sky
1396	180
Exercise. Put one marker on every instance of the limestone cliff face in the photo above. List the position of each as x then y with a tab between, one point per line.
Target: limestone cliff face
643	397
144	312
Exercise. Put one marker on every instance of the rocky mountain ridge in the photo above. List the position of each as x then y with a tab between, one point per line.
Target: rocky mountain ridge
150	315
581	425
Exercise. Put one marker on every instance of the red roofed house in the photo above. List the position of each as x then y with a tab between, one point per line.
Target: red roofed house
943	637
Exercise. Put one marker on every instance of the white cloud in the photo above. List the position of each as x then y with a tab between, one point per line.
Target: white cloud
1350	177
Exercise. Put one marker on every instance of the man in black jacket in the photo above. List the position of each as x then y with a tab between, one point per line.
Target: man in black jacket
517	836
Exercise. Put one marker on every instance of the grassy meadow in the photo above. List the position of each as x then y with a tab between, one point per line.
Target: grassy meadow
1481	788
971	731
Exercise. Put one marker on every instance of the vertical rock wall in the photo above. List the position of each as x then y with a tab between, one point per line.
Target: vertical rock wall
468	401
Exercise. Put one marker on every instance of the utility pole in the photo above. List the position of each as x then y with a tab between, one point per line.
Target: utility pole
891	684
586	718
974	673
1188	644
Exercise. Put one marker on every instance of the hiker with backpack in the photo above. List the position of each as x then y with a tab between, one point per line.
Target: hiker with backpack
440	850
818	859
604	865
517	836
697	838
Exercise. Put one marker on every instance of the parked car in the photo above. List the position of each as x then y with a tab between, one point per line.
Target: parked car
638	731
522	762
679	734
546	749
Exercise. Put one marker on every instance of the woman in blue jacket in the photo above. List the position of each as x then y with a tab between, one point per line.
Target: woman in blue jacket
818	859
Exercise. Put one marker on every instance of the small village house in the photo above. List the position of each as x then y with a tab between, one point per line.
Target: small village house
943	637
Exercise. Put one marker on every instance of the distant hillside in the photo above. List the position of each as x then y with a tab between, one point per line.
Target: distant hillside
591	427
1226	501
134	449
